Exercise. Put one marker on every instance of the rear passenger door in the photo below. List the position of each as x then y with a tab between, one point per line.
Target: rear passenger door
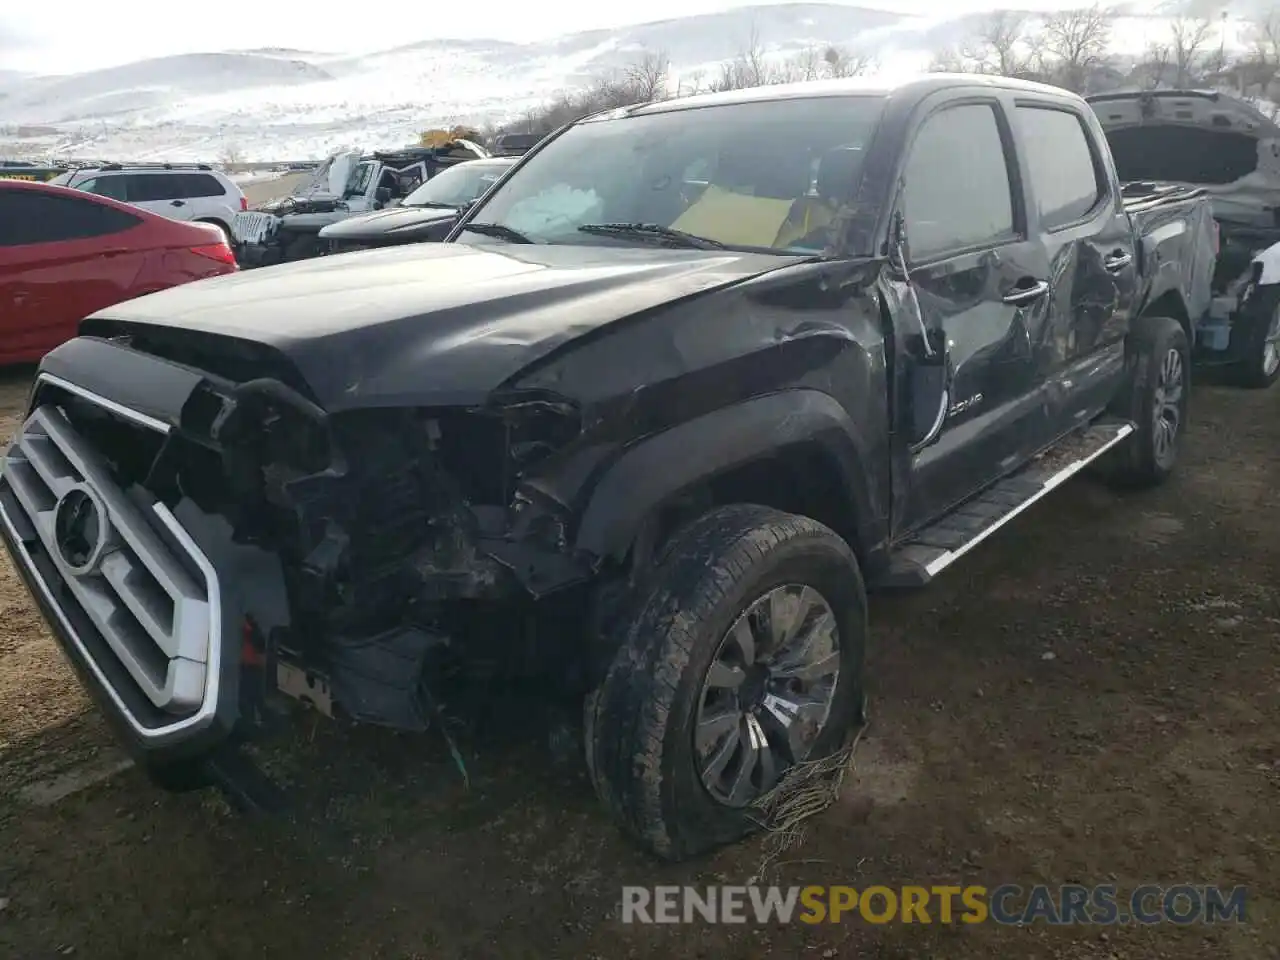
161	193
982	281
1089	243
205	196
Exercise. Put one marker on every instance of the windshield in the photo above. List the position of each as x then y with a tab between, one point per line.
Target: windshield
457	185
358	180
766	175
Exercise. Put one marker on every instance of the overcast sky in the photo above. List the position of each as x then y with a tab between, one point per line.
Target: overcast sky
76	35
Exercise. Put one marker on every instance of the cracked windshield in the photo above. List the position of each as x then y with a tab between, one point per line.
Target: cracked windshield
699	480
754	175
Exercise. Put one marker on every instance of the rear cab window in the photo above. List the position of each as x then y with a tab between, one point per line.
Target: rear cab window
1061	163
957	191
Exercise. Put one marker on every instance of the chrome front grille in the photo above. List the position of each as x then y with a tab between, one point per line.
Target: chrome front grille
158	615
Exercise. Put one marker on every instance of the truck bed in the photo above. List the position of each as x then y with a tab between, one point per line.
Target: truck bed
1140	196
1177	244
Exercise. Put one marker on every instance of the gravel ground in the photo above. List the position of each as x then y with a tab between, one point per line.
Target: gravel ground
1090	697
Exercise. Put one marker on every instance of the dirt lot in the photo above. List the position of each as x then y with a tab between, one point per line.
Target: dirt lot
1091	698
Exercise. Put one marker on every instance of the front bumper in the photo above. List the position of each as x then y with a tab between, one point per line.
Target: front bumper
140	611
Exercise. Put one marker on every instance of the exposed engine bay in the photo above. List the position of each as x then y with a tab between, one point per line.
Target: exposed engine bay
386	525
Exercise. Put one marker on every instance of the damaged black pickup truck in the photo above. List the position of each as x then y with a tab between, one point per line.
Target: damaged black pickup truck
646	426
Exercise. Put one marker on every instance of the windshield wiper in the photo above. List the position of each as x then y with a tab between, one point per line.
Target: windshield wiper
655	231
500	230
436	205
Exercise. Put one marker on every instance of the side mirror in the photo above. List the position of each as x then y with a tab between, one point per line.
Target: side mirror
382	195
898	246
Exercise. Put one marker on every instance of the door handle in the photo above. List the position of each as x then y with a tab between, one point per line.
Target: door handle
1117	261
177	203
1021	295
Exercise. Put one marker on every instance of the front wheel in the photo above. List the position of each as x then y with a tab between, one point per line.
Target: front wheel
744	659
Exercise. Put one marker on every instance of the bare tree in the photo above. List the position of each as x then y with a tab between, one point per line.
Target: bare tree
750	68
1264	38
648	76
231	155
1153	69
838	62
1189	36
806	65
1001	44
1076	40
950	60
998	45
1258	69
693	82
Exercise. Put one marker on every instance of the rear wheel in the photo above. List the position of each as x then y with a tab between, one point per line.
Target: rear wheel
1260	366
1156	401
744	658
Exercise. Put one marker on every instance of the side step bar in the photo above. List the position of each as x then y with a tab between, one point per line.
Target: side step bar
936	547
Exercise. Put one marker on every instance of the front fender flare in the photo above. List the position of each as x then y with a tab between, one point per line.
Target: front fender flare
659	467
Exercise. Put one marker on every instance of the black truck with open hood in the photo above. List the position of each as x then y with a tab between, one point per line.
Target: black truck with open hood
1225	145
645	427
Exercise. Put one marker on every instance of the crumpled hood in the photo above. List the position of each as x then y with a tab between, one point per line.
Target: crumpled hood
389	222
427	324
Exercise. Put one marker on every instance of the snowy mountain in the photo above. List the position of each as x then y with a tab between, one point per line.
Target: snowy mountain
276	103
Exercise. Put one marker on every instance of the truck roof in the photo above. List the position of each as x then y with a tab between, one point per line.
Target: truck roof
917	86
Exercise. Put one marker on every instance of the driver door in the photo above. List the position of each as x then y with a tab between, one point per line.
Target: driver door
981	285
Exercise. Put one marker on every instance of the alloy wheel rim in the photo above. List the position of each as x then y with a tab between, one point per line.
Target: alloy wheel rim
767	695
1271	345
1167	413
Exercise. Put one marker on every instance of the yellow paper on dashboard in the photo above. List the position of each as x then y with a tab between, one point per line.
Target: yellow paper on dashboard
735	218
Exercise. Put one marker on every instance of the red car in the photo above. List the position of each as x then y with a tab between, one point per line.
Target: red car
65	254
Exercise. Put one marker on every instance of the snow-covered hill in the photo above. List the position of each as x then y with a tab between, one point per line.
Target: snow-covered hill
277	103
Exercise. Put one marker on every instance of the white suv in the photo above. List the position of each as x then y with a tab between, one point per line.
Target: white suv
180	191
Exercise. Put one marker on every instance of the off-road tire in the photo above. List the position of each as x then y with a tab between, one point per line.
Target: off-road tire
1251	371
638	723
1135	462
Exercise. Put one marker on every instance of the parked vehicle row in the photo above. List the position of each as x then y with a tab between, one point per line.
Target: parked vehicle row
669	399
180	191
288	229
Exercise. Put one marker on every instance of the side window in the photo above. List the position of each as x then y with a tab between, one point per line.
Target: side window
957	192
1060	164
113	187
198	185
44	218
144	187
